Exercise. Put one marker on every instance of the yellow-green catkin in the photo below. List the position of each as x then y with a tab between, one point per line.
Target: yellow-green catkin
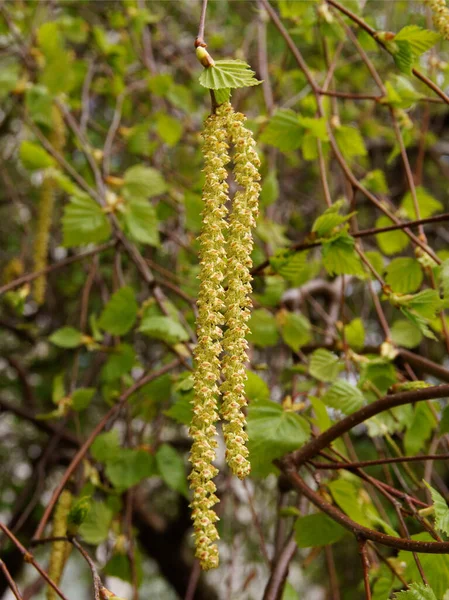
209	332
45	213
440	14
59	550
238	281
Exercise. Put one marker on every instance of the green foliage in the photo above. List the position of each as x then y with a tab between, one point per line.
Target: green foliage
171	468
84	222
120	313
226	74
417	591
344	396
67	337
164	328
317	530
441	510
272	433
34	156
324	365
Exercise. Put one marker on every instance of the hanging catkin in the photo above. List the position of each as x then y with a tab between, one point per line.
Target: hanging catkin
224	255
45	213
237	300
440	15
209	321
59	550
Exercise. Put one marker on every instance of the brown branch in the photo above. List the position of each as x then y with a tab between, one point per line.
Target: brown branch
381	461
10	580
312	448
54	267
89	441
279	571
358	530
365	565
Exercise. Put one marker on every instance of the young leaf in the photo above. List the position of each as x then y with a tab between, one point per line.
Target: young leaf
317	530
255	387
84	222
295	329
283	131
441	510
420	40
344	396
263	328
120	313
171	468
324	365
66	337
128	467
405	333
228	74
404	275
34	156
350	141
428	205
81	398
141	221
272	433
95	528
164	328
390	242
417	591
143	182
355	334
106	445
340	257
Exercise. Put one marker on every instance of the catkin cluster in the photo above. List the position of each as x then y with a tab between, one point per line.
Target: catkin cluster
45	213
60	551
223	305
440	14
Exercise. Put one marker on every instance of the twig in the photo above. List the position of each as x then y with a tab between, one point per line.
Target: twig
365	566
85	447
10	580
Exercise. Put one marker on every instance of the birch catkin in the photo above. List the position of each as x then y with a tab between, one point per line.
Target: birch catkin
238	278
59	550
440	16
45	213
224	255
210	319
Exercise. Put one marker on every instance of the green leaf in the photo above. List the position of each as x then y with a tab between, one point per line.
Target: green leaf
289	592
141	221
168	128
375	181
324	365
164	328
120	313
354	334
171	468
34	156
9	76
181	411
255	387
428	205
441	510
127	467
143	182
106	445
404	275
350	141
417	591
435	566
405	333
344	396
403	56
317	530
420	429
270	189
347	495
401	93
222	95
81	398
283	131
340	257
263	328
390	242
272	433
324	226
315	126
66	337
119	362
425	303
420	40
84	222
295	329
444	278
228	74
289	264
95	528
